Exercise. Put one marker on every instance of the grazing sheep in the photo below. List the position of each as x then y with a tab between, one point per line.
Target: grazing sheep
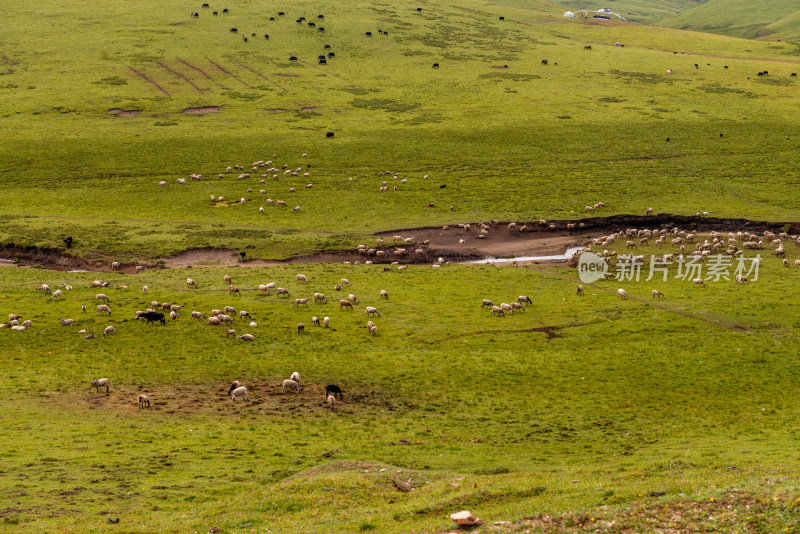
331	402
56	294
315	320
345	304
319	298
657	294
246	337
486	304
301	302
281	291
742	279
115	265
302	278
373	311
384	295
622	294
239	392
103	308
191	283
109	330
301	328
580	290
291	384
213	321
352	298
225	318
234	289
497	310
144	289
295	376
523	298
649	211
101	296
506	307
139	268
345	282
198	315
144	401
785	262
45	288
698	282
173	315
326	322
230	333
99	383
227	279
337	287
244	314
235	384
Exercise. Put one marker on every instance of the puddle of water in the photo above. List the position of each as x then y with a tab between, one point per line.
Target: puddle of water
561	257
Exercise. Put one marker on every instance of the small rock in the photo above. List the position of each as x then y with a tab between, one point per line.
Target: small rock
464	518
382	470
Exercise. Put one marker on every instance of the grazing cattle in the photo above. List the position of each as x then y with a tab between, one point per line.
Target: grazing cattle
419	9
725	67
320	29
204	5
292	58
225	10
310	24
195	14
214	13
794	75
327	47
153	317
368	34
234	30
281	13
244	37
502	18
266	36
435	65
272	18
587	47
323	62
320	16
333	389
331	54
544	62
696	66
329	134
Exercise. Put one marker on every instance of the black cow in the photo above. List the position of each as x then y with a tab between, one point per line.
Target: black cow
326	47
766	72
696	66
587	47
320	29
333	389
266	36
214	13
292	58
385	33
331	54
544	62
435	66
281	13
153	317
320	16
760	74
272	18
205	5
320	57
380	31
68	242
195	14
252	35
502	18
234	30
302	18
794	75
311	24
299	21
725	67
328	134
245	38
419	9
323	62
225	10
368	34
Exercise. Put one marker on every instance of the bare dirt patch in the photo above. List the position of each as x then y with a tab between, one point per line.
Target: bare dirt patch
201	110
124	112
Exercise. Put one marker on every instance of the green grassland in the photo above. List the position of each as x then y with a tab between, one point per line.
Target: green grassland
770	20
596	124
575	404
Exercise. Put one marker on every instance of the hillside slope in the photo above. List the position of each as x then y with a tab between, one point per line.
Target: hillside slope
742	18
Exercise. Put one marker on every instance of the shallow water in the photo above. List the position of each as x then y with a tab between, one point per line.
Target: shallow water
562	257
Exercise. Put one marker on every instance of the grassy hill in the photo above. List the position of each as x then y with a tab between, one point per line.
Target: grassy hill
593	121
775	19
641	11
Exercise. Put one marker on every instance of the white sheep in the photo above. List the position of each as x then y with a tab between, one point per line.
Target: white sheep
198	315
103	308
301	302
239	392
295	376
191	283
698	282
622	294
224	318
580	290
345	282
173	315
326	322
56	294
291	384
497	310
657	294
384	294
373	311
319	298
101	296
108	330
246	337
506	307
302	278
526	300
230	310
99	383
301	328
331	401
144	401
315	320
144	289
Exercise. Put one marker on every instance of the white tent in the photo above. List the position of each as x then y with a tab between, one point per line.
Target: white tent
569	14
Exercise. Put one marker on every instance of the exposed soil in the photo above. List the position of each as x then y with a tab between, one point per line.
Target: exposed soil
181	76
154	84
537	241
124	112
200	111
289	75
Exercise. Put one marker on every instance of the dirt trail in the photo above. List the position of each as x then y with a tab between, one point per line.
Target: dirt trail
204	73
221	68
264	77
150	81
181	76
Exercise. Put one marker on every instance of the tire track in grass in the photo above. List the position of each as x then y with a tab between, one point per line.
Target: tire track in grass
221	68
150	81
181	76
264	77
688	315
204	73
